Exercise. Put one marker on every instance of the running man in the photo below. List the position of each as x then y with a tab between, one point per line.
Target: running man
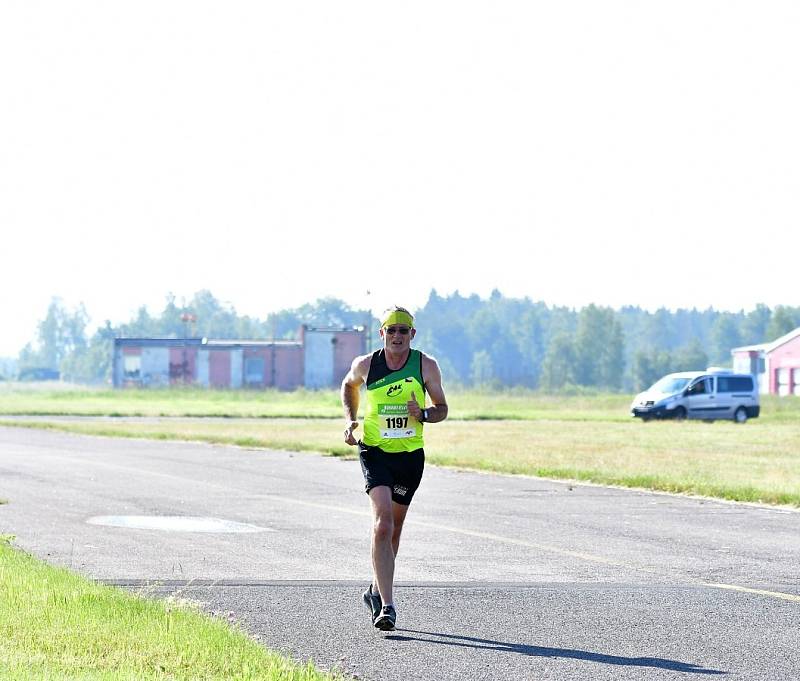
392	458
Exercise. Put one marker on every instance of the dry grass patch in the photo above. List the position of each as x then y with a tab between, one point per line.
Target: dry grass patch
755	462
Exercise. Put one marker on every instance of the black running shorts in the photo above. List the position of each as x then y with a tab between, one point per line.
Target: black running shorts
401	471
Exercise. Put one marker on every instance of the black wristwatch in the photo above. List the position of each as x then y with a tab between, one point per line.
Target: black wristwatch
424	415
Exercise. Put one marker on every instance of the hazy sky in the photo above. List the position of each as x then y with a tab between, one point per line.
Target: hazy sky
617	152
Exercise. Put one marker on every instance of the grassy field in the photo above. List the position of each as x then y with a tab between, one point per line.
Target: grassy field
758	461
579	437
522	404
513	404
56	625
18	399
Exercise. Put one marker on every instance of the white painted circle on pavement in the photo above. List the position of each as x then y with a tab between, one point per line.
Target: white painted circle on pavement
175	523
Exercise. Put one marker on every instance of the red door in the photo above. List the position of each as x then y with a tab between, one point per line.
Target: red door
219	368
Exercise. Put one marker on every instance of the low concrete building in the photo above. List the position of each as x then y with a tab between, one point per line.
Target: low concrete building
319	359
776	364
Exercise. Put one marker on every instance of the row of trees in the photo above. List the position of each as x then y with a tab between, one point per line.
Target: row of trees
494	342
62	343
522	342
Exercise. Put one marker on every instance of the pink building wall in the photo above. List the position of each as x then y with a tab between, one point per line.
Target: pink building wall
177	373
219	368
283	366
348	346
288	367
222	364
786	356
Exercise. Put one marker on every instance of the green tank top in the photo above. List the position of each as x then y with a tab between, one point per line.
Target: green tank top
387	423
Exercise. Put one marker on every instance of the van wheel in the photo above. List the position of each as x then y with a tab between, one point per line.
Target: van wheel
680	414
740	416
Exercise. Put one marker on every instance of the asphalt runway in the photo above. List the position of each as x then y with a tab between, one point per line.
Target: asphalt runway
499	577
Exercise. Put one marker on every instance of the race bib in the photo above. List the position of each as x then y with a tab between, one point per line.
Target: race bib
395	422
397	433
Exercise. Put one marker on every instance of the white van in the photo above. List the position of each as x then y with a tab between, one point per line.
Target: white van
706	395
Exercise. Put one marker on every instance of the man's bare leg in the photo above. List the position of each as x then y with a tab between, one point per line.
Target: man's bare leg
399	514
383	532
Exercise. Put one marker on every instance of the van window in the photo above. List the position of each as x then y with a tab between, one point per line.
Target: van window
669	384
698	388
735	384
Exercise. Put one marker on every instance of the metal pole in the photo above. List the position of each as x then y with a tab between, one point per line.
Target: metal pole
272	355
368	326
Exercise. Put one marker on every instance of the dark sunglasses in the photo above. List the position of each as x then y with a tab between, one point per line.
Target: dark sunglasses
402	330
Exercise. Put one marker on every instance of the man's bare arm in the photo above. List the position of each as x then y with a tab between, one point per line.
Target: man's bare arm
351	395
433	385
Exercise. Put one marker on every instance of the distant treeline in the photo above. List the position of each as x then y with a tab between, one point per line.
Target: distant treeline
494	342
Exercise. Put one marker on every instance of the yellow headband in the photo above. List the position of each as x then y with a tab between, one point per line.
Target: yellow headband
398	317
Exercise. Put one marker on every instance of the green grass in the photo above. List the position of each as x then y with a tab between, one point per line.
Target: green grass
758	461
583	437
512	404
57	625
18	399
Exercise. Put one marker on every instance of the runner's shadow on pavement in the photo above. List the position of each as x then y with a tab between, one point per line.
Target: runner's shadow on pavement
543	651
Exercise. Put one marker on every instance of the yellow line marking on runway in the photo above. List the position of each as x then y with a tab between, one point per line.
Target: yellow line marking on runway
546	547
528	544
474	533
760	592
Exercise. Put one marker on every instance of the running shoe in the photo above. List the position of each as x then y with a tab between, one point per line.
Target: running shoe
385	621
373	601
